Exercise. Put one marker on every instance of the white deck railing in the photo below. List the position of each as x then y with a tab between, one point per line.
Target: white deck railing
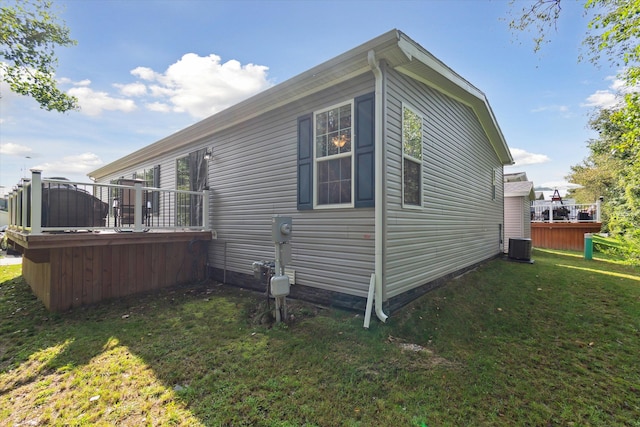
547	211
40	205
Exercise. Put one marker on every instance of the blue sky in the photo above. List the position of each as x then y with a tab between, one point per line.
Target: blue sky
144	69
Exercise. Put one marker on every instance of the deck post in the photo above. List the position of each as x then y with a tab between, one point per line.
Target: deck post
24	202
12	207
137	209
36	202
598	211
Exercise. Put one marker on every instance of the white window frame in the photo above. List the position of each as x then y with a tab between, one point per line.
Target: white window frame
411	158
316	160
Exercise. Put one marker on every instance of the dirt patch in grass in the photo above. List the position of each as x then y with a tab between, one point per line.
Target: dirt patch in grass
424	356
262	312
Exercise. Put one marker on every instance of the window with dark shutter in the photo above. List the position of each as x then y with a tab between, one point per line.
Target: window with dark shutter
365	151
336	162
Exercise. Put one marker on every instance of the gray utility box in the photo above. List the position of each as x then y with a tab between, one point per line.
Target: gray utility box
280	286
281	229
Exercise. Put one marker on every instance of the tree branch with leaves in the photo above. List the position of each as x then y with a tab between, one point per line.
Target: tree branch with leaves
29	35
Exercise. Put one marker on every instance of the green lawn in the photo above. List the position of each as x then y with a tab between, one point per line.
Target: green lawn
552	343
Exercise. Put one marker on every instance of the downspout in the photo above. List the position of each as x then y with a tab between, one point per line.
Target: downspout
379	183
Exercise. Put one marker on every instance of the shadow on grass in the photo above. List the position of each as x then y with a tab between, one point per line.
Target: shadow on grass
192	355
172	332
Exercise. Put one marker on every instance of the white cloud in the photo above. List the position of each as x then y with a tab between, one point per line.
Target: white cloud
551	108
159	107
197	85
145	73
66	80
561	184
548	188
601	99
11	149
611	97
160	91
132	89
523	157
71	165
202	86
93	103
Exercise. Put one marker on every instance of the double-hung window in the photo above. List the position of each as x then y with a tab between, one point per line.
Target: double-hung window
336	156
333	130
411	158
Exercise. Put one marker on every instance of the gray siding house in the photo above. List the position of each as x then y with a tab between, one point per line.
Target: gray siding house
389	163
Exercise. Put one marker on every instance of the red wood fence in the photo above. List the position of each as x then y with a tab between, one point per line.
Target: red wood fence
562	235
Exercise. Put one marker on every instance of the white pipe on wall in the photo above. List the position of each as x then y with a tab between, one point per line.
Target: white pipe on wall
367	312
379	183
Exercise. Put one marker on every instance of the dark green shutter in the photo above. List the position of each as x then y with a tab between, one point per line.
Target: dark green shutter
364	150
305	162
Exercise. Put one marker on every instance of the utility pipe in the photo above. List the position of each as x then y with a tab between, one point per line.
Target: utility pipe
379	183
367	312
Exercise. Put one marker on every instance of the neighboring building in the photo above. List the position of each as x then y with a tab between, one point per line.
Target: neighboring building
388	162
518	195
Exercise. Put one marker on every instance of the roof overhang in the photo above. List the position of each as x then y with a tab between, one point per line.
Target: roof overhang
519	189
395	47
426	68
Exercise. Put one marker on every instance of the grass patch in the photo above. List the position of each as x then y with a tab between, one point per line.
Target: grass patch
626	249
553	343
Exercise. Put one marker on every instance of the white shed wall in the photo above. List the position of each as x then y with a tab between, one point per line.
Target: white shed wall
517	219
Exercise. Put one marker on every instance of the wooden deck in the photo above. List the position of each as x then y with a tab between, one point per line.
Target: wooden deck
562	235
67	270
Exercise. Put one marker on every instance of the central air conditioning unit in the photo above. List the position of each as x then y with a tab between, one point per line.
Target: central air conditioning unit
520	249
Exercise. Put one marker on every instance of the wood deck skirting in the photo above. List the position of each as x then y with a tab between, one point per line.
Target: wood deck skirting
562	235
68	270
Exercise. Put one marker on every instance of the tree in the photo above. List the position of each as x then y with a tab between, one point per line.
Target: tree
539	17
613	167
613	31
29	34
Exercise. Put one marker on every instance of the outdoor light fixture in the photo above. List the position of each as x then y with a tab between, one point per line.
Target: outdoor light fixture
208	154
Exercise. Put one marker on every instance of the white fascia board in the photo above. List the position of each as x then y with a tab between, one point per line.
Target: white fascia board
437	75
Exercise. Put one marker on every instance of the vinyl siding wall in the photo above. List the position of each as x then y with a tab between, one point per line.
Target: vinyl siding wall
458	225
253	177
